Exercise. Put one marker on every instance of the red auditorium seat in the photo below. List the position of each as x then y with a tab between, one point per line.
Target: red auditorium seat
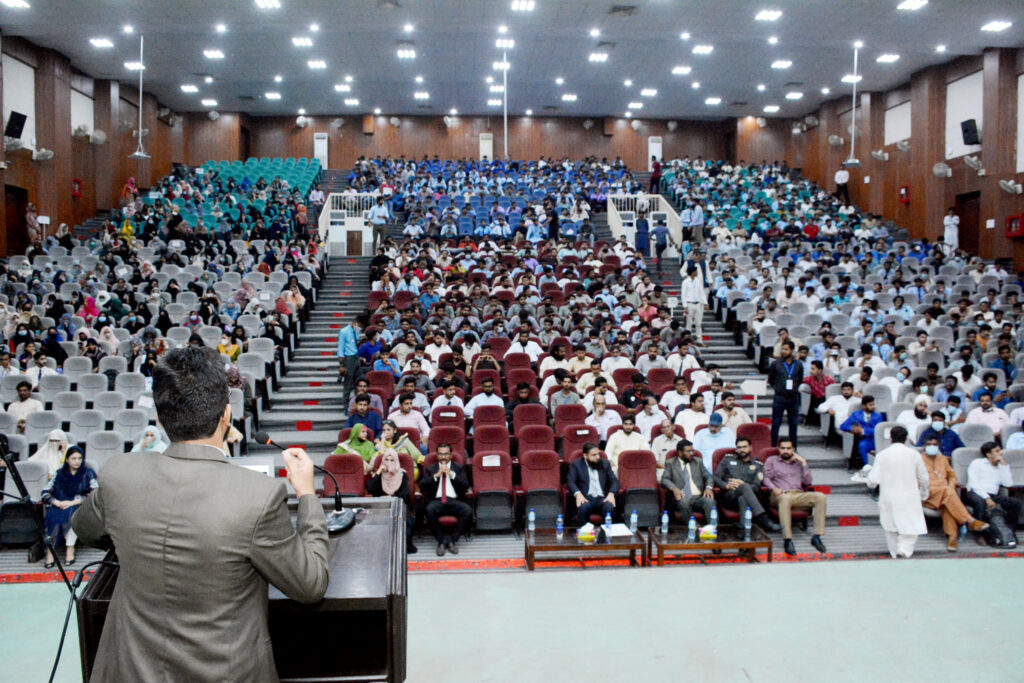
382	379
638	480
623	378
348	469
661	380
571	414
760	435
536	437
491	438
492	489
448	416
542	486
489	415
454	436
402	300
573	438
517	361
516	375
528	414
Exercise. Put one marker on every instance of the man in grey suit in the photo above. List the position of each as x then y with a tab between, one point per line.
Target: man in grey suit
198	540
689	481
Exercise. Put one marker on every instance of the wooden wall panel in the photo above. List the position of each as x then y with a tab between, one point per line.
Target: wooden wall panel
755	144
206	139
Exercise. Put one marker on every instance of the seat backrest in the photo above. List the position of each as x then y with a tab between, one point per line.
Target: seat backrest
67	402
962	458
452	416
348	469
760	435
109	403
76	366
535	437
883	432
130	422
101	446
489	415
573	438
9	388
92	384
569	414
254	363
540	470
84	422
263	347
115	363
638	470
454	436
131	384
39	425
491	438
974	435
8	424
34	474
528	414
717	456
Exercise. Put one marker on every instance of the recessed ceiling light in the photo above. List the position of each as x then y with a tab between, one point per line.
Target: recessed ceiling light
703	49
781	64
826	91
208	79
771	109
559	81
348	78
505	43
628	114
940	48
497	88
996	26
408	28
712	101
302	41
598	56
649	92
453	111
317	64
500	66
773	40
850	78
188	87
268	4
128	28
272	95
494	102
342	87
419	79
16	4
595	32
912	5
628	83
101	42
681	70
278	78
529	112
421	95
695	85
685	35
209	103
768	15
794	95
220	28
351	102
569	97
887	58
406	53
489	79
859	44
377	111
503	29
522	5
134	66
761	87
302	111
213	54
635	105
314	27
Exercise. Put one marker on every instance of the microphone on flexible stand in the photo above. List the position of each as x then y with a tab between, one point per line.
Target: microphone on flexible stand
342	518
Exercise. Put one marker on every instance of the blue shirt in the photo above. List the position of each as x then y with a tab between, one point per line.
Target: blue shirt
867	422
348	342
948	440
1009	369
661	234
371	420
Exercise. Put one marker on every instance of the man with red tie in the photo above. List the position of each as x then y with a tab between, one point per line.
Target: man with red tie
443	486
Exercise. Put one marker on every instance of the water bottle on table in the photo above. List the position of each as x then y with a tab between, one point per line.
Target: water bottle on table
632	522
559	526
691	531
664	523
607	522
713	520
531	521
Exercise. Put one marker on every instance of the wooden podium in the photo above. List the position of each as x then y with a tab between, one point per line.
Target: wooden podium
356	633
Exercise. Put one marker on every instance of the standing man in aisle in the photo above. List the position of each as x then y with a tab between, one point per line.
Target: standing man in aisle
378	217
695	298
901	473
662	239
348	356
655	184
842	179
784	377
951	231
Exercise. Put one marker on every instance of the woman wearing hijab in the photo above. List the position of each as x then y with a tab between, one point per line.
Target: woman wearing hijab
391	480
391	438
149	442
163	322
52	453
21	336
63	494
108	341
88	310
52	347
359	442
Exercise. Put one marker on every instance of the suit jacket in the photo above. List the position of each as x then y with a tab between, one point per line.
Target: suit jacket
198	540
579	477
428	485
673	474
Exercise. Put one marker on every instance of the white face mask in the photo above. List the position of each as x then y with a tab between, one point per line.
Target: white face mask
931	449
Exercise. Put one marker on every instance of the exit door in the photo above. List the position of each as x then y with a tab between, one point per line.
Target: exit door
486	146
653	150
968	207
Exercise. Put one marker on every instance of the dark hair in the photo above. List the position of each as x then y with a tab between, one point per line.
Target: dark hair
24	384
681	446
743	438
866	399
898	434
588	446
988	447
362	397
407	396
190	390
65	467
786	439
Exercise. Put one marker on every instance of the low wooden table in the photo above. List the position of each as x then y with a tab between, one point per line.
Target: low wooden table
547	541
676	542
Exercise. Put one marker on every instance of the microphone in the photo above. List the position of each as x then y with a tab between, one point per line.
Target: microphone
339	520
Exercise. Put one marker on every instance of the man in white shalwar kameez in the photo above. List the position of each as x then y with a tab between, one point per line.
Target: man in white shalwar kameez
901	473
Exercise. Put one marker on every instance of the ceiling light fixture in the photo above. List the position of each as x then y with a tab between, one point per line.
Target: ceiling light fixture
505	43
213	54
497	88
453	111
496	102
101	42
348	78
768	15
128	28
996	26
377	111
500	66
16	4
342	87
794	95
826	91
529	112
278	78
268	4
569	97
408	28
559	81
940	48
781	64
421	95
595	32
220	28
649	92
635	105
503	29
695	85
628	83
599	57
489	79
317	64
681	70
771	109
887	58
419	79
351	102
209	103
302	41
406	53
912	5
685	35
314	27
208	80
851	78
522	5
188	87
272	95
858	44
134	66
703	49
773	40
301	111
628	114
713	101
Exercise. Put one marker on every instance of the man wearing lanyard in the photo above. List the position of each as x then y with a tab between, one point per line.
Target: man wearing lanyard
784	377
694	298
378	217
348	356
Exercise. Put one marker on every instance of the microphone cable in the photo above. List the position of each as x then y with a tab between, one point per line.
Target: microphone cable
74	585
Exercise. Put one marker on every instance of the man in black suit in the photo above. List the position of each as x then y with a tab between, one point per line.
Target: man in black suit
689	482
443	485
593	483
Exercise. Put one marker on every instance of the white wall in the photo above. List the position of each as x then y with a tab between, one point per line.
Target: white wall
1020	123
897	123
963	101
20	95
81	110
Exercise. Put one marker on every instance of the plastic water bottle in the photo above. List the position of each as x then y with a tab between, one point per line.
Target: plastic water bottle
607	522
531	521
664	523
963	532
748	519
559	525
714	518
632	522
691	531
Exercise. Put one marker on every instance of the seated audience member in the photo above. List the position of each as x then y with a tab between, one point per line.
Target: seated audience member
732	415
602	420
690	482
1016	440
392	438
444	486
990	386
149	441
987	413
943	495
636	396
861	423
901	474
363	389
816	382
712	438
649	417
739	476
447	398
786	476
602	390
523	397
51	453
364	415
566	394
593	484
589	379
391	480
486	397
947	439
692	417
62	495
359	442
385	363
986	477
405	416
24	406
679	396
916	419
626	439
665	442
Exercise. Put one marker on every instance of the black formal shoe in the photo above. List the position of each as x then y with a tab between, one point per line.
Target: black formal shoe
68	563
411	549
766	523
816	542
453	547
440	550
789	547
49	565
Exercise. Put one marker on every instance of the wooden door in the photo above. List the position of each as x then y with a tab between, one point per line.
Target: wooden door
968	207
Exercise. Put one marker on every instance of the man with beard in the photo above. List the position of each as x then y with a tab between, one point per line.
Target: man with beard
787	475
593	484
690	482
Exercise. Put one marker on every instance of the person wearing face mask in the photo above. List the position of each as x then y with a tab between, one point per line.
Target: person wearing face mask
943	495
788	476
592	483
947	439
233	522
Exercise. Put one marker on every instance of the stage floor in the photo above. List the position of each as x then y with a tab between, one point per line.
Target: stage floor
916	620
